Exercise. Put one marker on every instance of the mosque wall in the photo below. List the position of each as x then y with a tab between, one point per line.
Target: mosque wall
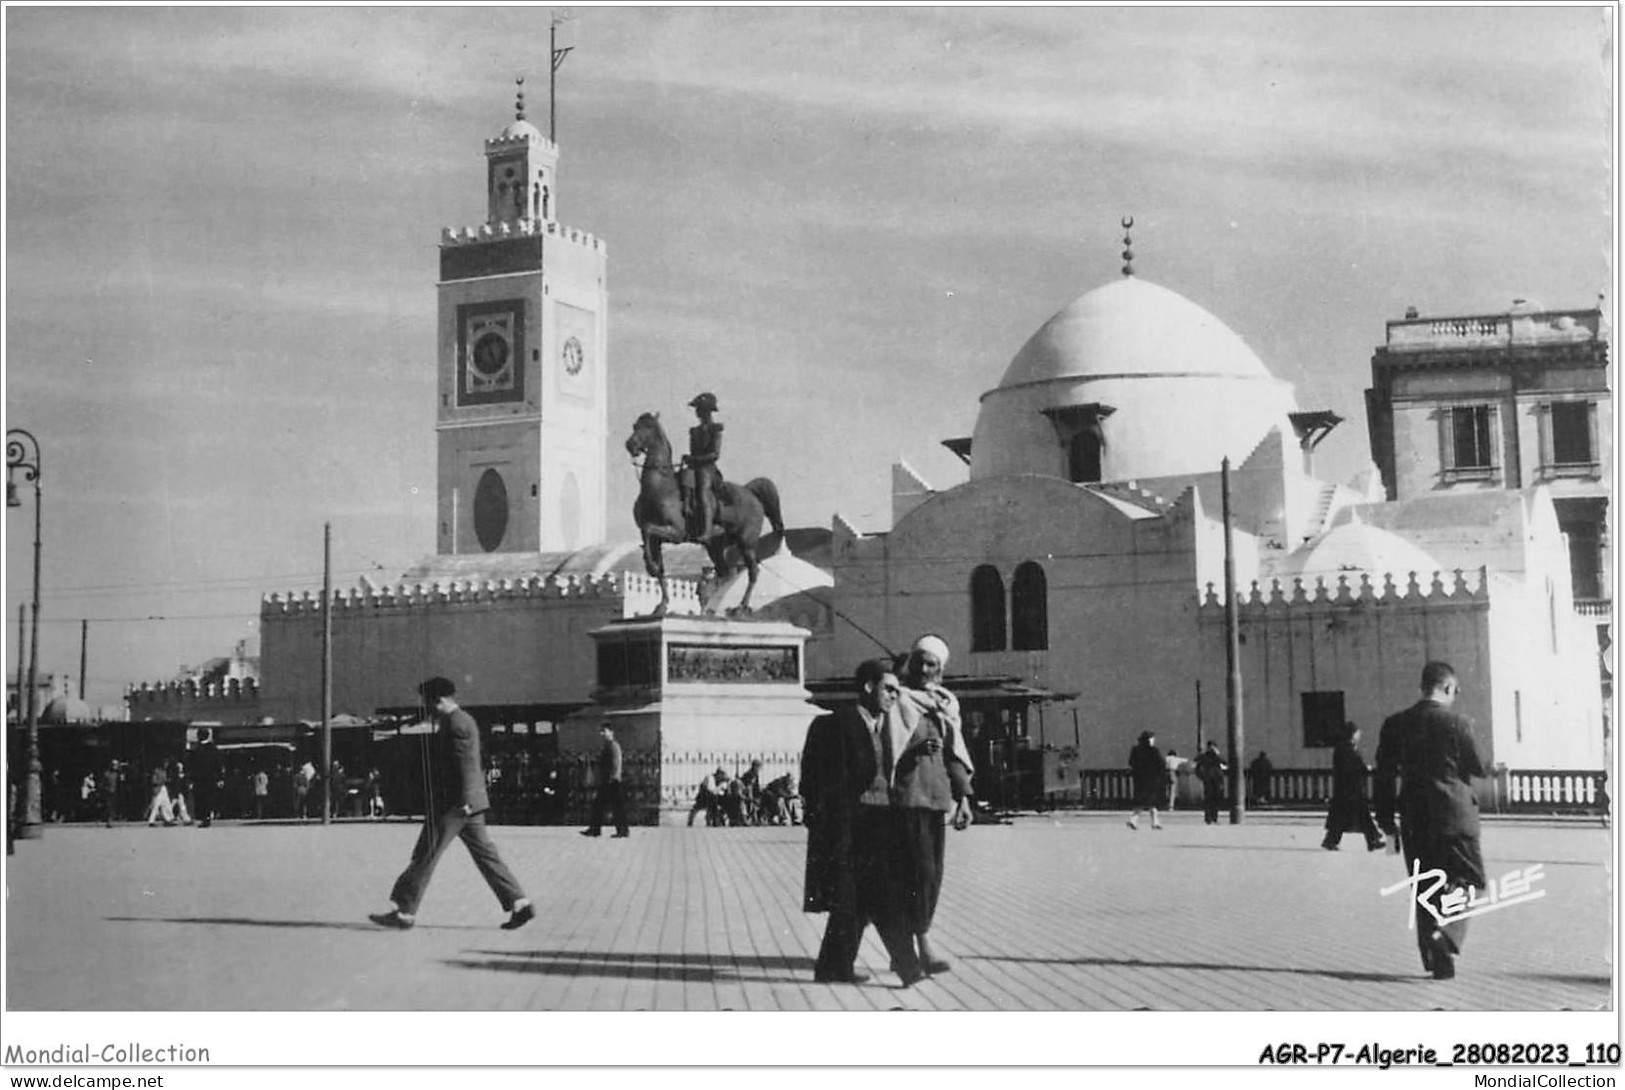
515	643
1120	597
1351	647
1547	705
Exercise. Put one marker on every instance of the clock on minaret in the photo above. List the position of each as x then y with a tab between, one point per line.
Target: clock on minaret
521	423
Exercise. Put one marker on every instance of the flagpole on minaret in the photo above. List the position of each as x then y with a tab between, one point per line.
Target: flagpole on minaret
557	56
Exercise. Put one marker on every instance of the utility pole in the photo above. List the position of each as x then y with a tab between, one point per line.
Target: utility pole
327	673
1232	658
556	56
84	646
22	650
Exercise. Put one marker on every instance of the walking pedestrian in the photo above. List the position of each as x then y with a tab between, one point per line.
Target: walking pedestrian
610	794
932	781
262	790
1258	774
206	783
158	806
304	778
1175	763
109	792
180	789
1429	749
854	834
1350	807
1148	770
456	808
1210	769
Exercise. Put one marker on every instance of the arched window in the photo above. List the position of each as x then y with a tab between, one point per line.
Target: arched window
490	510
987	610
1029	608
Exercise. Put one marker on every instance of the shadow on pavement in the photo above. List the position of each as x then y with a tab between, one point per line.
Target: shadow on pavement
700	968
246	921
1566	978
1135	963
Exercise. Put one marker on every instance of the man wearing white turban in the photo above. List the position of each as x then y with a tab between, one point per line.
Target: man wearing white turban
933	778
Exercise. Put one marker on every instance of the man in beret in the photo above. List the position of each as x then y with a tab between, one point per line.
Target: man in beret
455	808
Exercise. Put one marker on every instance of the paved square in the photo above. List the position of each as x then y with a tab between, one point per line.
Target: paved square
1062	912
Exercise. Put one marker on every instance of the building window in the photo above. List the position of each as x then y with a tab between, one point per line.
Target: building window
490	510
1571	433
1322	719
987	610
1470	437
1084	457
1585	558
1029	608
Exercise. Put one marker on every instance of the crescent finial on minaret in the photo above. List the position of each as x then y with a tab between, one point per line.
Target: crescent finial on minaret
1128	246
519	100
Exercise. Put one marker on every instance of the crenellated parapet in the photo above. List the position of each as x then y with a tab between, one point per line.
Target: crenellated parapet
519	141
523	228
637	593
1441	588
231	700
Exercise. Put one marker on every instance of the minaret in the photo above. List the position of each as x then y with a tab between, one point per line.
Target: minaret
521	418
521	166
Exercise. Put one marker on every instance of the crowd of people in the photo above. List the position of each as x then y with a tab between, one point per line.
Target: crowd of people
724	800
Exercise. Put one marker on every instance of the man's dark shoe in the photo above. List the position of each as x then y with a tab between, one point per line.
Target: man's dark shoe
851	978
1442	962
933	966
1376	845
521	916
392	919
620	836
1328	847
590	832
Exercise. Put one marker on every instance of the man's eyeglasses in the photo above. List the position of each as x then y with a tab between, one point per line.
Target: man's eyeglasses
898	689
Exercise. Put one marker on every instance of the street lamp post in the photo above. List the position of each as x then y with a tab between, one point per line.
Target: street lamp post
23	454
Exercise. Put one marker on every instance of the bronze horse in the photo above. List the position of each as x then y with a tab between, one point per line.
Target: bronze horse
660	516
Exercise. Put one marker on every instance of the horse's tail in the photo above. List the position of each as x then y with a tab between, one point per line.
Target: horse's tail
767	493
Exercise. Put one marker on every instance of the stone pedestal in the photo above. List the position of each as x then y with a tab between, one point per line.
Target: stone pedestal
685	695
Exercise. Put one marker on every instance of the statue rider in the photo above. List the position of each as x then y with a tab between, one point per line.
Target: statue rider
704	447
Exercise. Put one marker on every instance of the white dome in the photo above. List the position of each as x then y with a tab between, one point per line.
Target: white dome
1183	389
521	128
1354	547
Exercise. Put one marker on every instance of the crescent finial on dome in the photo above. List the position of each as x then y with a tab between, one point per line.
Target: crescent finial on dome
1128	246
519	100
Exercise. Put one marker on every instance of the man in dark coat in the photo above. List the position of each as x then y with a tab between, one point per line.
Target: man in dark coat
1149	771
855	839
455	808
1350	808
205	779
1427	752
1210	769
611	793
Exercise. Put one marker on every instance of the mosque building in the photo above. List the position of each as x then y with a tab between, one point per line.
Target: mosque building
1085	553
1082	560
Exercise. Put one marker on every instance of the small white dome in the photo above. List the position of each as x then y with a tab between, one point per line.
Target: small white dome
517	129
1354	547
67	709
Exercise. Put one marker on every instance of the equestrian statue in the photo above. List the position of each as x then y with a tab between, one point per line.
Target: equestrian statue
692	503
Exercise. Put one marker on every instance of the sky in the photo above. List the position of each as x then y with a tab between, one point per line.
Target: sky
222	230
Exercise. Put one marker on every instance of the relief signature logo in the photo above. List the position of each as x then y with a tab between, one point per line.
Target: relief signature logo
1464	903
